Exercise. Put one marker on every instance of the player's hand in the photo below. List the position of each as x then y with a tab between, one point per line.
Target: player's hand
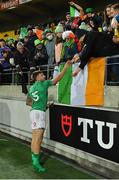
75	58
67	64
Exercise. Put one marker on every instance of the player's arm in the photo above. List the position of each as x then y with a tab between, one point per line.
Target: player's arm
28	101
61	74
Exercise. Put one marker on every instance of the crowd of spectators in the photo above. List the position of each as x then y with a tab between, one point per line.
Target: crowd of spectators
89	34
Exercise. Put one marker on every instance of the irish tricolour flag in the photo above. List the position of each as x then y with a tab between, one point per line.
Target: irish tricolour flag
74	12
87	88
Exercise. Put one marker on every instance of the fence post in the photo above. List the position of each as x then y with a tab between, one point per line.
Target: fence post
13	77
48	67
29	78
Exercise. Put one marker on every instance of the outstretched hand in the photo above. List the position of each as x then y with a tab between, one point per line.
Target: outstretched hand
75	58
67	64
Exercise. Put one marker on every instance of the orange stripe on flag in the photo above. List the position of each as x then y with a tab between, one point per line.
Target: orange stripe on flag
95	84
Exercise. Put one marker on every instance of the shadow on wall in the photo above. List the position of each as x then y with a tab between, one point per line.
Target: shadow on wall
5	115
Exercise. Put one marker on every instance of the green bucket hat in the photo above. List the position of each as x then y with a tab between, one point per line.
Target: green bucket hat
10	39
37	42
59	29
89	10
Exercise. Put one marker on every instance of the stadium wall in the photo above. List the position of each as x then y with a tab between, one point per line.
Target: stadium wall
14	120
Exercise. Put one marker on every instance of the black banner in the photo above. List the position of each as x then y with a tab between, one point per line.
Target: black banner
91	130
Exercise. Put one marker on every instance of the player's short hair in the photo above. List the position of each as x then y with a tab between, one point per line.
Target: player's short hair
35	74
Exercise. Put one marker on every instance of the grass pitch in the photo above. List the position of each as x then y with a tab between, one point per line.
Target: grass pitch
15	163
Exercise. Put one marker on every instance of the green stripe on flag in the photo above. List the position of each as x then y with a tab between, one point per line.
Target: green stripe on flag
64	88
72	11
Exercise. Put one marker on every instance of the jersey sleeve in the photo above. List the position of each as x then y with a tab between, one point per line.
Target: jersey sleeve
29	95
49	83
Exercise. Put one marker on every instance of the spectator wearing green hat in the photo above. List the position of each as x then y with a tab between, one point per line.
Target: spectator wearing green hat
89	12
92	20
41	56
59	42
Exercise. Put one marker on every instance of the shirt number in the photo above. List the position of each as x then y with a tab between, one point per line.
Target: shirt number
35	96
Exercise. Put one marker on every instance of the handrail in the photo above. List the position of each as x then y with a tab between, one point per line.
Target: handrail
114	56
50	68
14	71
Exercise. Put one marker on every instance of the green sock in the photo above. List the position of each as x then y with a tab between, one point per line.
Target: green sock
35	158
40	158
36	164
36	155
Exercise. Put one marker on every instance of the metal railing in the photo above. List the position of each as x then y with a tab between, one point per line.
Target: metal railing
12	76
112	71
